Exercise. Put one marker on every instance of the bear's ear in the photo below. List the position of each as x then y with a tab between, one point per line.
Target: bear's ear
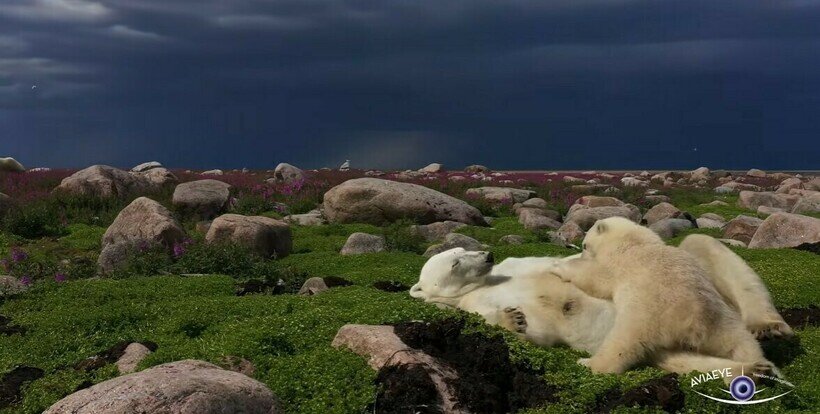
602	227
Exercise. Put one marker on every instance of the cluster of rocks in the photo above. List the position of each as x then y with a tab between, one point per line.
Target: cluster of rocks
105	181
779	230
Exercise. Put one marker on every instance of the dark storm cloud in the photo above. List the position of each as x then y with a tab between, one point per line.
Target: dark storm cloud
516	84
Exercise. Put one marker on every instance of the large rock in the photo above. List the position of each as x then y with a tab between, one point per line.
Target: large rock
360	243
754	172
377	201
501	194
813	184
286	173
182	387
535	203
789	184
570	232
806	205
144	220
752	200
146	166
659	212
586	217
535	219
436	231
741	228
9	164
104	181
454	240
786	230
266	236
204	198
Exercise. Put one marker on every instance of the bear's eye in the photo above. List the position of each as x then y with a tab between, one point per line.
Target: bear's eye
568	307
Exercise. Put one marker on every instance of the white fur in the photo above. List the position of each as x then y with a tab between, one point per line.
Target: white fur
522	295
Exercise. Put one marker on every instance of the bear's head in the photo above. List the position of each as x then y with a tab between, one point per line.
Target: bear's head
452	273
614	233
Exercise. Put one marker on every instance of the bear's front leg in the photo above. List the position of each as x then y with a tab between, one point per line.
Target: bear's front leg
621	350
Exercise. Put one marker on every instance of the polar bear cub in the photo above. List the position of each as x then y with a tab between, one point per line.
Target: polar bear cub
663	299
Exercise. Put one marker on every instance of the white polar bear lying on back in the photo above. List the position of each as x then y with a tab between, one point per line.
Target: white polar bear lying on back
522	296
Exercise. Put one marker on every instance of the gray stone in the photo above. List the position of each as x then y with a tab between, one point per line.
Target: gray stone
286	173
512	239
182	387
454	240
570	232
741	228
213	172
436	231
535	203
789	184
754	172
146	166
534	220
313	286
360	243
786	230
752	200
586	217
144	219
670	227
807	205
104	181
265	236
377	201
475	168
203	198
659	212
433	168
501	194
10	285
134	353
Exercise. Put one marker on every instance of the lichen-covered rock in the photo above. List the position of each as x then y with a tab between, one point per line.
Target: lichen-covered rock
144	219
104	181
10	285
659	212
134	353
286	173
586	217
535	219
182	387
754	172
204	198
513	239
311	218
670	227
807	205
377	201
454	240
265	236
741	228
501	194
146	166
433	168
786	230
752	200
361	243
436	231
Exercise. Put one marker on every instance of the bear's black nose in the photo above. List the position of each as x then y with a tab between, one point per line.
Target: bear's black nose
490	258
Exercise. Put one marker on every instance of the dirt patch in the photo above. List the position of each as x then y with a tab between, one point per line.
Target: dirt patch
663	392
391	286
13	381
407	390
336	281
809	247
8	328
488	381
109	356
279	286
801	317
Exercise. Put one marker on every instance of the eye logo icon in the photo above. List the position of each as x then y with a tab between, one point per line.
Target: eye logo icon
742	389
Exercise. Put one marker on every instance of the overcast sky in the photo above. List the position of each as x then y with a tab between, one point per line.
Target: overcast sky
513	84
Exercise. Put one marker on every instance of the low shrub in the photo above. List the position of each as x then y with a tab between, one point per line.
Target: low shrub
400	238
34	221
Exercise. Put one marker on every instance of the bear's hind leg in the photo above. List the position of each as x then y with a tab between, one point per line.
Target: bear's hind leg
622	348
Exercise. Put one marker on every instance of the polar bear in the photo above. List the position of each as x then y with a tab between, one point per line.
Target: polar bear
663	299
520	295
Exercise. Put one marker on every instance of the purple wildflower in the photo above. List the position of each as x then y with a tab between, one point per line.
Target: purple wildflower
25	280
60	277
18	255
